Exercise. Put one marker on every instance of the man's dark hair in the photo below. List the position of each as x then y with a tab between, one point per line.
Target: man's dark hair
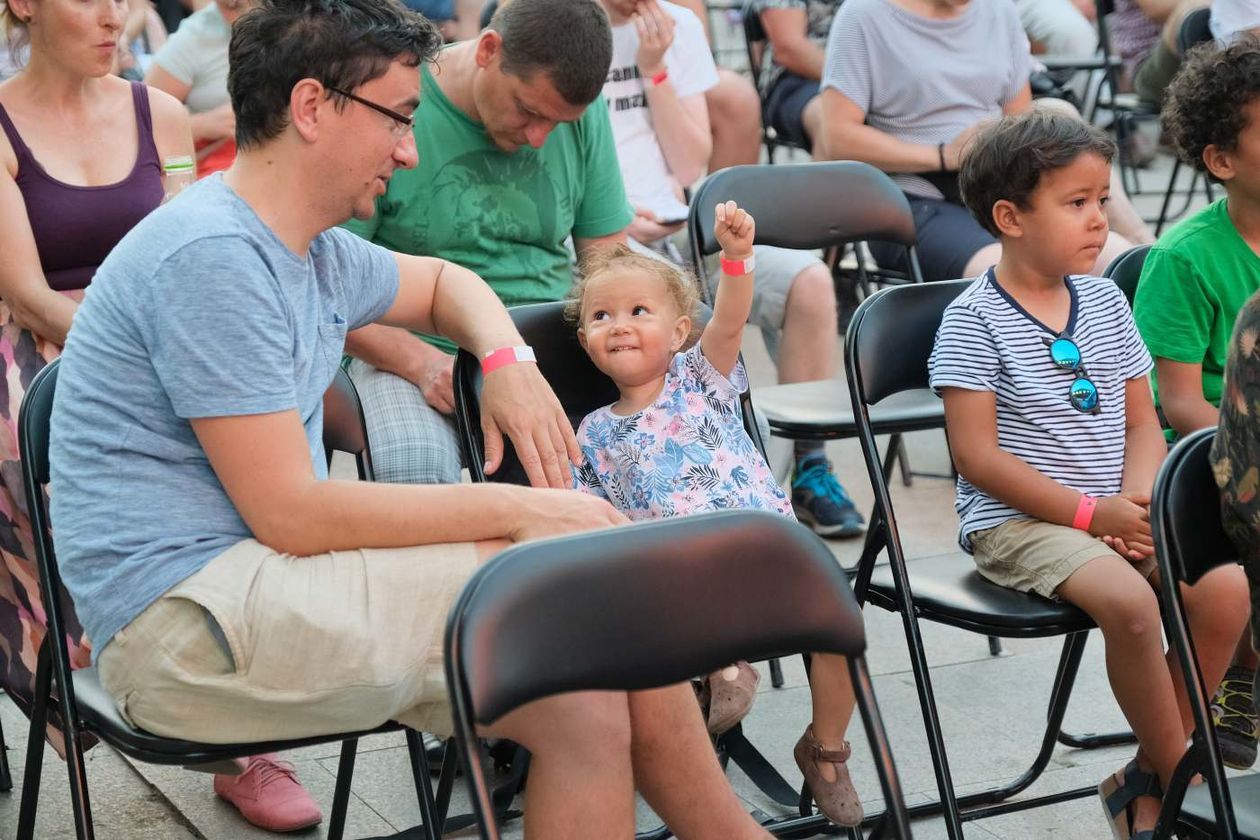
1006	160
569	40
1204	104
341	43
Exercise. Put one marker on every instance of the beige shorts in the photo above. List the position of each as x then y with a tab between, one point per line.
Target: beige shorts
1034	556
261	646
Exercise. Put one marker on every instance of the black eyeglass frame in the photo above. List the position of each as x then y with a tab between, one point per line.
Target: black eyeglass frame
409	122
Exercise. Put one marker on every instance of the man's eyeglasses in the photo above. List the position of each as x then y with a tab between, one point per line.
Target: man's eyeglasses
402	123
1082	393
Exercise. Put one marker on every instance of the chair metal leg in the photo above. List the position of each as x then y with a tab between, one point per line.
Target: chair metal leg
341	793
755	766
1092	740
446	780
429	818
877	737
6	778
995	646
776	673
35	747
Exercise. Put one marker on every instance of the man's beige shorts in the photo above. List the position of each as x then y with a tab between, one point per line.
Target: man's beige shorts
261	646
1034	556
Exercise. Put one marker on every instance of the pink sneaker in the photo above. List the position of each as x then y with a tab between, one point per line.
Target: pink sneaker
269	795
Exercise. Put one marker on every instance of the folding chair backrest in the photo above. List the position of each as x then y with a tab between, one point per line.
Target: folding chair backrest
891	338
1196	29
580	385
1126	270
34	420
642	607
344	427
805	206
569	371
1186	510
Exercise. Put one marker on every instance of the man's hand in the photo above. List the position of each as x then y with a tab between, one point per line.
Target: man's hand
435	379
655	27
735	230
551	513
646	228
517	400
1124	519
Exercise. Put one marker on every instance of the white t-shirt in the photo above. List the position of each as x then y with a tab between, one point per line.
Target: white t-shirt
197	55
649	182
1231	18
988	342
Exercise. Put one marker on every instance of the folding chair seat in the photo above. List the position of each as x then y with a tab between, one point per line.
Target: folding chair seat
86	708
1189	542
832	205
582	388
627	609
886	353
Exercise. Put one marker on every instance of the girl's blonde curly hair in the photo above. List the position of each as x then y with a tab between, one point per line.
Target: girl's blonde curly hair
681	284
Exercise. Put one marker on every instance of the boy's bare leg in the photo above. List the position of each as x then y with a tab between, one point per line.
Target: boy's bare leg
735	121
677	771
833	704
1125	608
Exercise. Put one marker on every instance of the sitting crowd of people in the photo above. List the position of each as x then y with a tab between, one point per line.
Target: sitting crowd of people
369	196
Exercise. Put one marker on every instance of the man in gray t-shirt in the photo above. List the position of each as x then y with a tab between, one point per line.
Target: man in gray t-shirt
233	592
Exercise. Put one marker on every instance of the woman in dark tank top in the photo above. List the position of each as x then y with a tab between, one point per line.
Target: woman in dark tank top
80	164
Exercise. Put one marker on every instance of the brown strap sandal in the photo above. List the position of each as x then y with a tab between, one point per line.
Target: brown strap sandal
837	800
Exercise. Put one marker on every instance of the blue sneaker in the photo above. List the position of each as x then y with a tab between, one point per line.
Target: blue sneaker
820	501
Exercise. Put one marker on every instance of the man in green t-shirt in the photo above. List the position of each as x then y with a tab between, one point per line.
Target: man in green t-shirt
516	156
1197	279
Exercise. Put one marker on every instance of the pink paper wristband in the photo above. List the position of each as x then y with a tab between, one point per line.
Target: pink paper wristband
496	359
1084	512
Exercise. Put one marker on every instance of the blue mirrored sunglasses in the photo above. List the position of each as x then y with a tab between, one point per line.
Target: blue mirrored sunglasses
1082	393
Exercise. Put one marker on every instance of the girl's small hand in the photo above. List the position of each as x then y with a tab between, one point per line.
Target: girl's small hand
735	230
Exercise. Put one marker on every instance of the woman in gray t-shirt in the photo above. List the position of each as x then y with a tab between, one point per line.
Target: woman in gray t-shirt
905	84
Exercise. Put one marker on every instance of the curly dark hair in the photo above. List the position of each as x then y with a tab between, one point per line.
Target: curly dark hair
1206	101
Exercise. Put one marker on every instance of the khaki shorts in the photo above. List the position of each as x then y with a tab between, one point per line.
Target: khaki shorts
1034	556
261	646
776	269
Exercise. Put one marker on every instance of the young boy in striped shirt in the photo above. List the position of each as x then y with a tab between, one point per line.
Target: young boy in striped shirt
1052	428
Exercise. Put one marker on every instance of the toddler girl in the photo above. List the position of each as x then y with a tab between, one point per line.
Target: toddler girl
675	443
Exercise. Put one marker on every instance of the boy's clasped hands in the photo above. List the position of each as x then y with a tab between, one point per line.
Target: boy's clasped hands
1123	522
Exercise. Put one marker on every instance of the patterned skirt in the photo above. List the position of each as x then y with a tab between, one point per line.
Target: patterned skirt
22	618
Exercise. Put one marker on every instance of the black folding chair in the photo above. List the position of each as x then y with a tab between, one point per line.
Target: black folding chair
832	205
582	388
756	44
886	353
632	608
1189	542
1195	30
86	709
6	778
1126	270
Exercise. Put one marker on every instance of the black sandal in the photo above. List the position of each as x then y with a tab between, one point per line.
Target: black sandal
1117	797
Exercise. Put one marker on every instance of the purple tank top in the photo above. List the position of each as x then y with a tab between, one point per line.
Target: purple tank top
76	227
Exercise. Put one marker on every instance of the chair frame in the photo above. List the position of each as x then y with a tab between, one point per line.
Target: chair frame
53	667
465	657
732	745
756	44
1183	558
898	596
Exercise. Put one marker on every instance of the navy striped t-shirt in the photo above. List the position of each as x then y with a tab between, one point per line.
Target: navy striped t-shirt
988	342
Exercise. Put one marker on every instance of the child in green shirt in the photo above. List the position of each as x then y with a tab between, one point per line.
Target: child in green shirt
1197	279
